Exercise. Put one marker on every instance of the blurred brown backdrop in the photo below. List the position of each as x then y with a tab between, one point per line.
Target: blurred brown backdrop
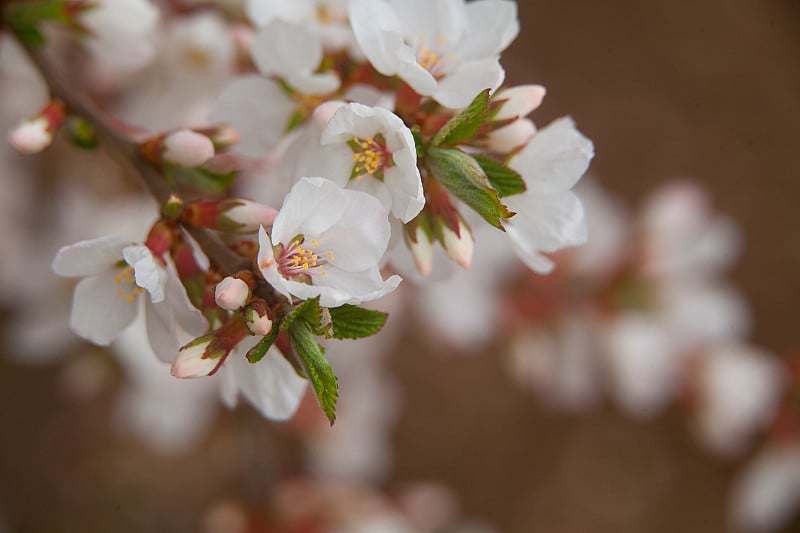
664	88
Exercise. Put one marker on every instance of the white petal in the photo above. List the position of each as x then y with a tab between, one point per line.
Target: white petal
98	314
346	287
267	265
311	207
161	330
520	100
493	24
258	109
149	273
293	53
261	12
556	157
90	257
460	86
546	221
271	385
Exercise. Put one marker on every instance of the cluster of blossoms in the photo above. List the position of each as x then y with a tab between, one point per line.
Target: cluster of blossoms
370	138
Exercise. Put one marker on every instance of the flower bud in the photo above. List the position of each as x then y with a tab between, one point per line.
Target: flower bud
325	111
520	101
231	294
197	359
458	246
187	148
422	250
506	139
258	324
34	135
249	215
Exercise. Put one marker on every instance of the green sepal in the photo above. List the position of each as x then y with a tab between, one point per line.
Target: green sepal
505	180
311	356
257	352
352	322
465	125
309	311
419	142
464	178
81	132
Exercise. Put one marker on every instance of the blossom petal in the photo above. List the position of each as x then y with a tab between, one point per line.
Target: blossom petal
343	287
271	385
258	109
87	258
149	274
311	207
460	86
161	332
493	24
267	265
293	53
556	158
98	314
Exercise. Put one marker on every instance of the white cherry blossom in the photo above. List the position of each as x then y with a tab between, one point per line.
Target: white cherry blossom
119	32
115	274
549	216
446	49
327	241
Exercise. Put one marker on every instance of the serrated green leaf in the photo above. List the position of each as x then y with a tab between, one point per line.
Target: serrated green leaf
506	181
352	322
463	177
316	367
202	179
257	352
308	311
464	125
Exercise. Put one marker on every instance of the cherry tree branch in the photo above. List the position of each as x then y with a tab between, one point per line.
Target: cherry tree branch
126	152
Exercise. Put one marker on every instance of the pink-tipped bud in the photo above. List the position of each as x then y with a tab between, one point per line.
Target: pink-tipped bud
31	136
249	216
187	148
422	251
196	359
34	135
520	101
508	138
325	111
231	294
257	323
458	246
224	137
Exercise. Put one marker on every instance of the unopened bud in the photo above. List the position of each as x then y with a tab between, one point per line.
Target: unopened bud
458	246
197	359
172	207
223	137
520	101
506	139
187	148
422	250
34	135
231	294
325	111
249	215
257	323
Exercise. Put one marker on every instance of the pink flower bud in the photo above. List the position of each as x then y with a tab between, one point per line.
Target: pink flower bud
31	136
521	100
193	362
249	216
231	294
258	324
187	148
422	251
325	111
458	247
508	138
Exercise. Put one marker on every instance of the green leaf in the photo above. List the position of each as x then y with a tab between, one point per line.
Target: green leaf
258	351
24	18
419	142
202	179
352	322
506	181
308	311
464	125
463	177
316	367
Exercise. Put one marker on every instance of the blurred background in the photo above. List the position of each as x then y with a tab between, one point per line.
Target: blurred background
705	90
